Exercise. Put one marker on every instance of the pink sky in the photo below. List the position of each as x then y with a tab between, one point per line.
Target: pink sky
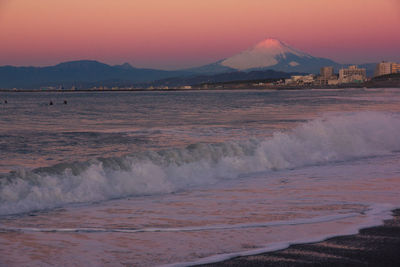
181	33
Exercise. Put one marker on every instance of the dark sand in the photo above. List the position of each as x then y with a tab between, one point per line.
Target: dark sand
375	246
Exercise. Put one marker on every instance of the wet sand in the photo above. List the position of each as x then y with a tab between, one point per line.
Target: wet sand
375	246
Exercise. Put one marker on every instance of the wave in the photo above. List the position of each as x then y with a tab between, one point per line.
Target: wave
334	137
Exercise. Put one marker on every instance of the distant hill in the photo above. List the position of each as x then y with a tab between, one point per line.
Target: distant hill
76	73
224	77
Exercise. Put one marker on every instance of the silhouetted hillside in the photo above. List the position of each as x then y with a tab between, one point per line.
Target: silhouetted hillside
77	73
224	77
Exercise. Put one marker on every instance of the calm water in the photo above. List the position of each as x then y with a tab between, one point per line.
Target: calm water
153	178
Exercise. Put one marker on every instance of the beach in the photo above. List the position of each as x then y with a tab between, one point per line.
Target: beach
375	246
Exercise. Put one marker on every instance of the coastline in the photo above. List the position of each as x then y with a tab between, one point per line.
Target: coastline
194	89
373	246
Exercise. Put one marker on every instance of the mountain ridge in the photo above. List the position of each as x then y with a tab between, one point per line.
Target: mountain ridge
71	73
272	54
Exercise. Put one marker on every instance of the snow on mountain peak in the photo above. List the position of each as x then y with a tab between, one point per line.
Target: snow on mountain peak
264	54
270	42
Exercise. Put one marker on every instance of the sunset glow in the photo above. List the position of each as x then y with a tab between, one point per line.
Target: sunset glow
181	33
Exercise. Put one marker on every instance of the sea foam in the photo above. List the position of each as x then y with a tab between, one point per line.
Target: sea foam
334	137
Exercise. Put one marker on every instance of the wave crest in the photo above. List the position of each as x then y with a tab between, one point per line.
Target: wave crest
329	138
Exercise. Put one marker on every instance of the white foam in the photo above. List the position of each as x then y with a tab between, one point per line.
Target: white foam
301	221
330	138
373	217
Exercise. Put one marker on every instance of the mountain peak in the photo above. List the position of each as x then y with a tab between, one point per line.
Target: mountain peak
270	42
264	54
125	66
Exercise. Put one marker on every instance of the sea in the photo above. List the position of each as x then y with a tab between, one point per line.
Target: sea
179	178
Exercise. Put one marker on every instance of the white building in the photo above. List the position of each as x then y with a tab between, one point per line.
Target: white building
352	75
383	68
300	80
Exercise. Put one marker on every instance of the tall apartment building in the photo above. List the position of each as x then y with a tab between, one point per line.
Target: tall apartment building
384	68
326	72
352	75
327	76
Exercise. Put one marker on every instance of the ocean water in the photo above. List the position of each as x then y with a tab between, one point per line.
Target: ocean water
182	178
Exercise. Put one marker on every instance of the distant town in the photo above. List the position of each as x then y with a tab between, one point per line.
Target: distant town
350	75
387	74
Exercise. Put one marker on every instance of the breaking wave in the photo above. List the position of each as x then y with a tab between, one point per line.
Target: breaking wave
329	138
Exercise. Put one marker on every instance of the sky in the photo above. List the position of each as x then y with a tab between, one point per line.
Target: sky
173	34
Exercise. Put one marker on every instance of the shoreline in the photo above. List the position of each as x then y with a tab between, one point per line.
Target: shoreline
371	246
194	89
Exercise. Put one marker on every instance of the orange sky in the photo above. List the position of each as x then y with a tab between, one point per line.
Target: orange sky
182	33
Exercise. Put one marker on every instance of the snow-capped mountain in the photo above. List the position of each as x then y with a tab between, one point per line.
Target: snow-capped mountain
269	54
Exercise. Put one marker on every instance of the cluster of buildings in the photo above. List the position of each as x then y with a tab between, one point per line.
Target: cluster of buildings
327	76
349	75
